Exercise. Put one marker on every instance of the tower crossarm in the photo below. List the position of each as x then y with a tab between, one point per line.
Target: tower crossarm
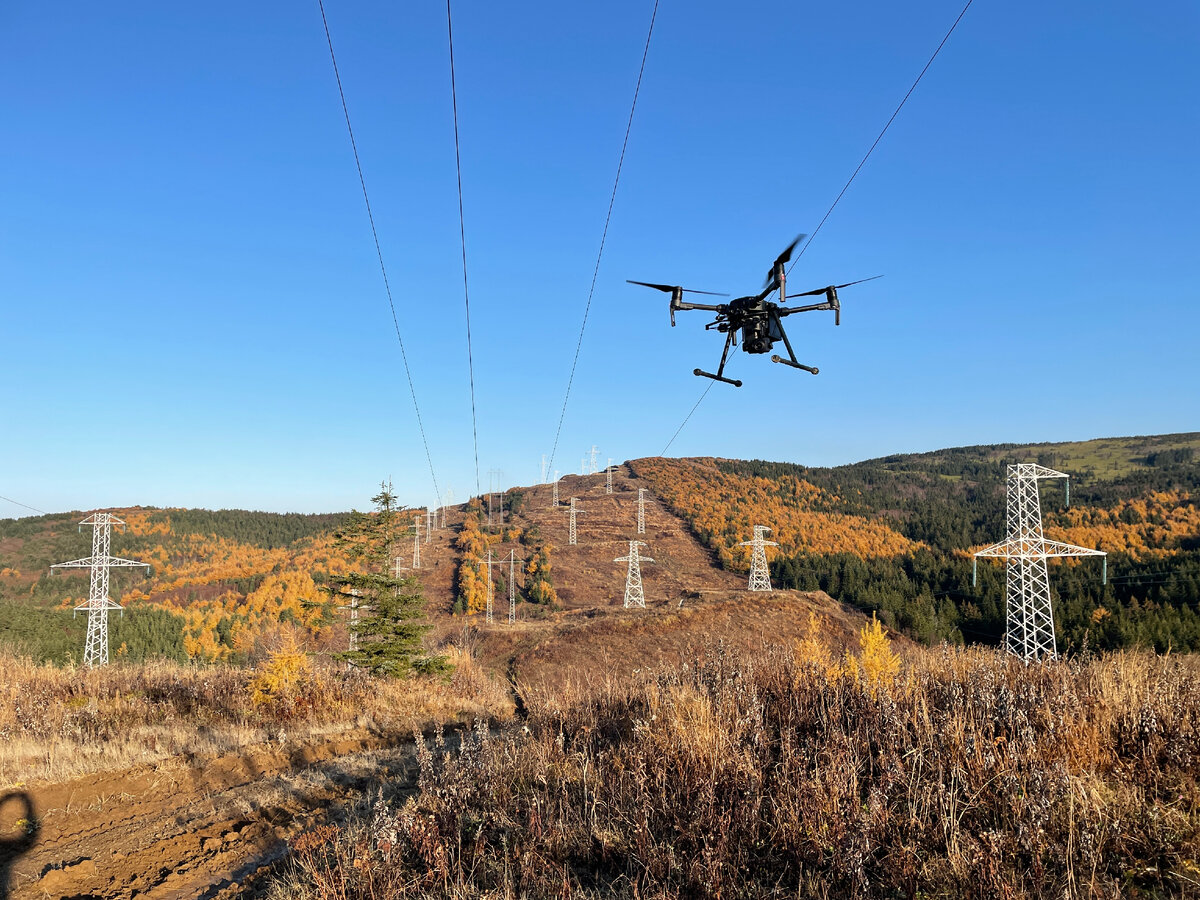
88	561
759	543
1015	548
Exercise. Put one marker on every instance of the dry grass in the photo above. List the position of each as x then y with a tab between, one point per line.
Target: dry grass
966	774
57	723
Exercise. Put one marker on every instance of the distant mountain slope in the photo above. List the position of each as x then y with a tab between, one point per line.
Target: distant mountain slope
1133	497
218	581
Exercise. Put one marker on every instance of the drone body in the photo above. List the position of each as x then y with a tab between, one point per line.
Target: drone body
759	320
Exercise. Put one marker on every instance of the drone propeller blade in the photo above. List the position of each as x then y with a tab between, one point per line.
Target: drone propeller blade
819	291
860	281
671	288
782	258
658	287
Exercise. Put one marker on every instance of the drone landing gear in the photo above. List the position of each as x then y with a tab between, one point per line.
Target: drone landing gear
732	381
795	365
775	357
720	376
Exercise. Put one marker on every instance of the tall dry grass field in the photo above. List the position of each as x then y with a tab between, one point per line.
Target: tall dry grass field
57	723
963	774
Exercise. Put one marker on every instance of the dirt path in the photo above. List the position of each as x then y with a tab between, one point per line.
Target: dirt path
197	829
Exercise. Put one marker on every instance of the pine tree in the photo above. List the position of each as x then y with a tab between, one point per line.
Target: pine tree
391	622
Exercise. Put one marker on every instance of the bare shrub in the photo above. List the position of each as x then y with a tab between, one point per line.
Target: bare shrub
965	774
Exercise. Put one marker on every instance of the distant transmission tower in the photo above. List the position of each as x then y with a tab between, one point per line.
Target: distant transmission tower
353	608
760	578
571	530
95	648
430	524
608	477
583	466
543	479
556	488
593	453
398	568
488	614
446	505
634	596
641	511
1029	631
512	586
417	542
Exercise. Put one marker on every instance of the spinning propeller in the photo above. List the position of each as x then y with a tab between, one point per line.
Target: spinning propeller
676	293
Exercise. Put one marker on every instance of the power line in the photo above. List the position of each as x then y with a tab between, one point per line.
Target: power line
685	419
604	235
26	505
846	186
462	230
863	161
378	251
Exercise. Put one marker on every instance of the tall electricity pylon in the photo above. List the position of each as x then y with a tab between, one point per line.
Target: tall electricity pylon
353	608
543	480
571	530
634	596
593	453
488	614
641	511
760	577
556	488
1029	631
583	466
397	568
430	523
608	477
449	501
95	648
417	542
512	586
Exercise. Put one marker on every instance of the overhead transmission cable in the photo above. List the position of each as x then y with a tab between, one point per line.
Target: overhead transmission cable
378	251
26	505
462	231
850	180
604	234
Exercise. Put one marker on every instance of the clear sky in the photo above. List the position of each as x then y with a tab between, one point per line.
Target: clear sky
193	313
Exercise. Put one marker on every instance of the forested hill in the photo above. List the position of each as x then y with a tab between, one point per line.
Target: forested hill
218	582
894	534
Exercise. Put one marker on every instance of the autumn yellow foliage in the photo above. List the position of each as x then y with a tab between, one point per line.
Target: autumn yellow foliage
723	508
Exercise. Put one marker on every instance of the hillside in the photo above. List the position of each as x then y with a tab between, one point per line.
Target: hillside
894	535
889	535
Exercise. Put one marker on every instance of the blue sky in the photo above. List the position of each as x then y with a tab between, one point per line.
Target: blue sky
193	313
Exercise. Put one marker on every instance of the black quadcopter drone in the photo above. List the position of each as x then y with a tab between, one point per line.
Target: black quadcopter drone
759	320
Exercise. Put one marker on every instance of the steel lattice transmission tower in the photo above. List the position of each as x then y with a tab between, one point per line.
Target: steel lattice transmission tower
449	501
571	530
490	590
760	576
634	595
353	607
417	542
608	477
641	511
95	648
556	488
512	586
593	453
1029	629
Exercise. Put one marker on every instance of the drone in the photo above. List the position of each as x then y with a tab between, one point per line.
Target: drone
759	320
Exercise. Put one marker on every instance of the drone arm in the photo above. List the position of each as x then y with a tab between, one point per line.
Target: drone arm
681	305
789	310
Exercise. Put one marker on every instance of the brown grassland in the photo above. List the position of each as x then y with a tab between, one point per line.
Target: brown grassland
58	723
952	773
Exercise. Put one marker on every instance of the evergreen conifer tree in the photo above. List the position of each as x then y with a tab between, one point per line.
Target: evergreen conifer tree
391	621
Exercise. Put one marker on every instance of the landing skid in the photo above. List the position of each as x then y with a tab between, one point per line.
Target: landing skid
795	365
732	381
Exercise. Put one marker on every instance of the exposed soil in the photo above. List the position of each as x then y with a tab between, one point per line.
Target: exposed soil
215	828
200	828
